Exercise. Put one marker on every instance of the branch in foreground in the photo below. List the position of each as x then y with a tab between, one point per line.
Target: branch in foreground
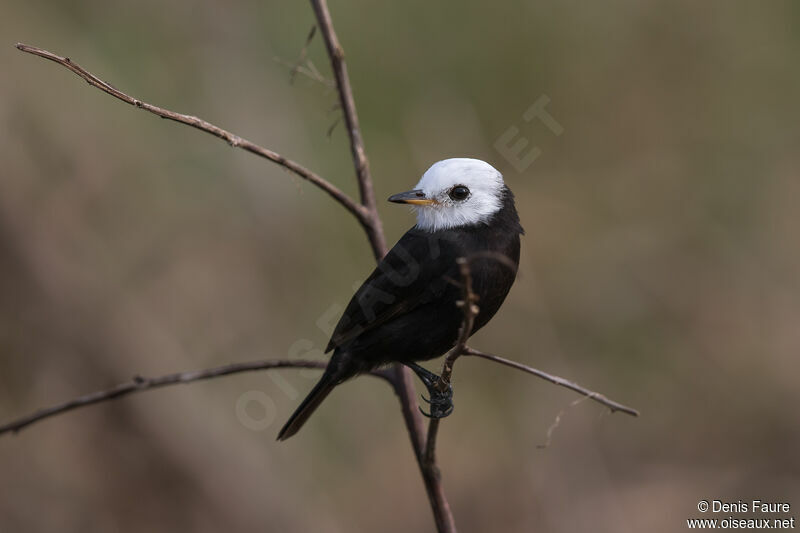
556	380
470	310
234	140
140	384
445	520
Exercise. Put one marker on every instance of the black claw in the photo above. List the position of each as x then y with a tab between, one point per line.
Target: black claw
441	402
424	399
426	415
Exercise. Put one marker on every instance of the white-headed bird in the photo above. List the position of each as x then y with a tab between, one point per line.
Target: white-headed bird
406	310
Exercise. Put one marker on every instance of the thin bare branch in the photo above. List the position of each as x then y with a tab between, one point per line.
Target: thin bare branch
307	69
303	65
234	140
470	310
303	53
336	55
557	421
556	380
314	73
332	127
141	384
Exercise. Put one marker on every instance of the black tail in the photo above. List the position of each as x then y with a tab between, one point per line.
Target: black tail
320	391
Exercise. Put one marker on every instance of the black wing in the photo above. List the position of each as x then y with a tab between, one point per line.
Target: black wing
416	271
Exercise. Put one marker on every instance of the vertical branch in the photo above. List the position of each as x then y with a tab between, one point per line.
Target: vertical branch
442	515
346	100
470	310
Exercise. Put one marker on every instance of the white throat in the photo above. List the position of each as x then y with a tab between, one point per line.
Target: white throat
486	189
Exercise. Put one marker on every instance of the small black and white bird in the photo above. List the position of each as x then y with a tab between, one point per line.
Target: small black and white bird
406	309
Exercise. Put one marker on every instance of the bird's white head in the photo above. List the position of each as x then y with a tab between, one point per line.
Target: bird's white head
455	192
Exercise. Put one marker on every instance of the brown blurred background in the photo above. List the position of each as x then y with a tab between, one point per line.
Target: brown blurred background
659	266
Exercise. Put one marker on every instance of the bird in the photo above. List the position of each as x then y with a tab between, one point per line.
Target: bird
407	310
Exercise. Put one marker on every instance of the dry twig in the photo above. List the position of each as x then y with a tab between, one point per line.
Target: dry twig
234	140
557	422
444	517
141	384
336	54
470	309
556	380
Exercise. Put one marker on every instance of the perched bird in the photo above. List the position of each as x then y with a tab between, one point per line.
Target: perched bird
406	309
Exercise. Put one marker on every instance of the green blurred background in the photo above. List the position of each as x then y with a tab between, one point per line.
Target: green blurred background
659	266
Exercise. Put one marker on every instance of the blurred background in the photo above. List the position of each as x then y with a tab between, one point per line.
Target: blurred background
659	266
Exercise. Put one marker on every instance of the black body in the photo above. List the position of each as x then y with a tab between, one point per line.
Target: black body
406	310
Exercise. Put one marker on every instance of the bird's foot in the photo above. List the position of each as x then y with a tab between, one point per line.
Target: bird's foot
441	404
441	401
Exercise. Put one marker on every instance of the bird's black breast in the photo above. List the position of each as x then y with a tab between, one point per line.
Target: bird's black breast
406	310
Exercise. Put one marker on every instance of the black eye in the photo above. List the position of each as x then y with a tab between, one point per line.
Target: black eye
459	193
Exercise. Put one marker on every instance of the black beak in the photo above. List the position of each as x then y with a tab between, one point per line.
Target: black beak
415	197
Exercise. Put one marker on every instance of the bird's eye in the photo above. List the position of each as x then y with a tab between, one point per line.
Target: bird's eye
459	193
